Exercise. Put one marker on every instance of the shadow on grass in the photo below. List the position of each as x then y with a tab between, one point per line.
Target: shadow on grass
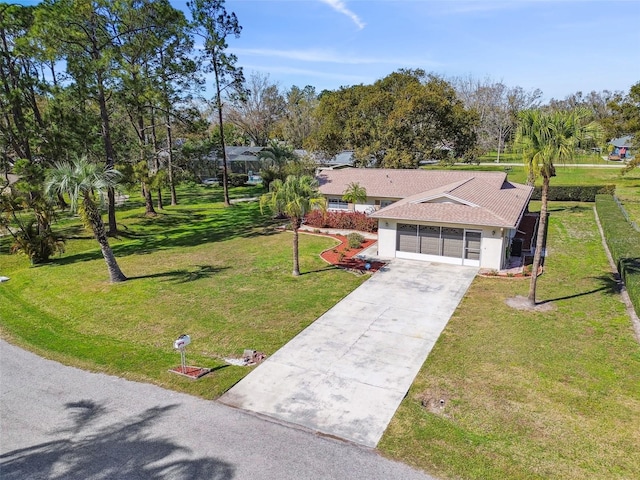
127	447
627	266
183	275
319	270
572	209
178	229
610	284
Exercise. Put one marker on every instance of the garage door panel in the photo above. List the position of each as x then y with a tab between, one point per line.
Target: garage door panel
452	242
407	238
429	240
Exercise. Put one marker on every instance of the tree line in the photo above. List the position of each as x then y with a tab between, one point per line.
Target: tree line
121	84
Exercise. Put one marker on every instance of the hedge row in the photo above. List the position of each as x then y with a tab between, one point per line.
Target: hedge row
624	243
574	193
344	220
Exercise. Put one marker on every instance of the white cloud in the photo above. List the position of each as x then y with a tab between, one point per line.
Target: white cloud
340	7
346	78
327	56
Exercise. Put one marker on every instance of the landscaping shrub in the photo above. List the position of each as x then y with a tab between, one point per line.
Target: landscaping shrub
624	243
238	179
354	240
342	220
574	193
235	179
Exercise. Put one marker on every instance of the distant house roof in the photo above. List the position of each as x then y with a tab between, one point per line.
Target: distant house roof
342	159
461	197
625	141
242	154
251	154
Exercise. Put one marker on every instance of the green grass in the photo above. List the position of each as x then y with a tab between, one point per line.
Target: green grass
585	158
531	395
222	275
527	395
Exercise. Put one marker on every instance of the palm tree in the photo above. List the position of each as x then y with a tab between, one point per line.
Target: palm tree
81	180
546	138
294	198
355	193
273	162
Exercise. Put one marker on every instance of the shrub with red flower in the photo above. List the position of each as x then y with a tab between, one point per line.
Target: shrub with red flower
342	220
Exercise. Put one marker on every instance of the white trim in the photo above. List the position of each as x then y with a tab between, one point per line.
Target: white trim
431	198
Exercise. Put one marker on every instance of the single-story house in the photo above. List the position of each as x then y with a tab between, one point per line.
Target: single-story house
458	217
621	148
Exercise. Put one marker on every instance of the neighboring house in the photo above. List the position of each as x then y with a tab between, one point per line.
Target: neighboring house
247	159
621	148
341	160
243	159
458	217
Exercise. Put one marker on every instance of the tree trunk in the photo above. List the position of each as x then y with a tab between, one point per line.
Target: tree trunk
172	186
542	228
109	151
148	202
115	274
225	186
296	260
143	142
156	158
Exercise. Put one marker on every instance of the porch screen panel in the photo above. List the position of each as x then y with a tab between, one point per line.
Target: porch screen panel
407	237
472	246
452	242
429	240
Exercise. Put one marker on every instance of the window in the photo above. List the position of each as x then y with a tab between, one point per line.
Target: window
337	204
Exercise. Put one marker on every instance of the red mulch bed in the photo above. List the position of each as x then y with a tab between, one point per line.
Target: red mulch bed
191	372
342	256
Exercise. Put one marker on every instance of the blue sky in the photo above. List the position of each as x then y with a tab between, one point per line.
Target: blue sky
558	46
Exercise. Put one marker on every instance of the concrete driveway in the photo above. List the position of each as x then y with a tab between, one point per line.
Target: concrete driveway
346	374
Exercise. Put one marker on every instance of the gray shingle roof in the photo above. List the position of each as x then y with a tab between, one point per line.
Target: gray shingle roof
626	141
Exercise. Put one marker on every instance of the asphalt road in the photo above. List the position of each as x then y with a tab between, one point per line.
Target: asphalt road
58	422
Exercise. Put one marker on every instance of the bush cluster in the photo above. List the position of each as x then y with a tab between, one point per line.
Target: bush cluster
624	243
354	240
574	193
344	220
235	179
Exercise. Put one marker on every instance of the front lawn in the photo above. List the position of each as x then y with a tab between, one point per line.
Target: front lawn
221	275
531	395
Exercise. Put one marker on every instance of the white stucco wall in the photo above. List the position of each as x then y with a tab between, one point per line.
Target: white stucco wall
364	207
387	238
491	252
